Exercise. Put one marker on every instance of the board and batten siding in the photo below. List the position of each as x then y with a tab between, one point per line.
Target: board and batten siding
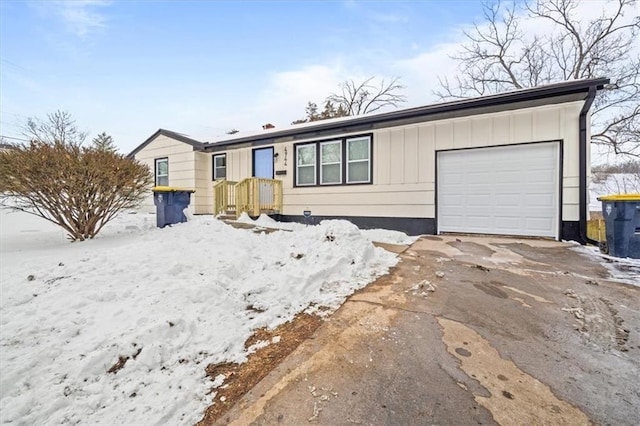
182	165
202	199
404	162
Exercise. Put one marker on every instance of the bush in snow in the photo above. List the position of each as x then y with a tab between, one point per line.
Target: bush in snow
78	188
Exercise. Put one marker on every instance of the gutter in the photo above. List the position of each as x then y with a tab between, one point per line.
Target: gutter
522	95
582	173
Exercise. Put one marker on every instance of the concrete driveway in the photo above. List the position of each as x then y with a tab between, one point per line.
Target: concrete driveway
467	330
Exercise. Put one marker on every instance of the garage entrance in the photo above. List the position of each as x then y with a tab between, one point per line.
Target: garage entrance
505	190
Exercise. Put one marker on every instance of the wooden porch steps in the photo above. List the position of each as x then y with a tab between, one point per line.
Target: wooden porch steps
232	215
252	195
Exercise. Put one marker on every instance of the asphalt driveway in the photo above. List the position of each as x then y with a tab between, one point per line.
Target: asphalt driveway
467	330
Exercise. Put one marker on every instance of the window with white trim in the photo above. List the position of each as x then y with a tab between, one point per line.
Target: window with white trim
162	171
306	164
219	166
358	160
345	161
331	163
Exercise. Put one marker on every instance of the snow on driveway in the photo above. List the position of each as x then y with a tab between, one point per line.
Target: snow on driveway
173	300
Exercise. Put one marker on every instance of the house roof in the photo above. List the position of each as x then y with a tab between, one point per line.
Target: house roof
6	146
197	145
565	91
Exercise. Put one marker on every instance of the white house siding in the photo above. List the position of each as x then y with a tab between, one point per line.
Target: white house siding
404	162
202	200
182	165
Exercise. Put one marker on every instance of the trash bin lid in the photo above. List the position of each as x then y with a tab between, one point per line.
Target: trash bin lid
620	197
171	189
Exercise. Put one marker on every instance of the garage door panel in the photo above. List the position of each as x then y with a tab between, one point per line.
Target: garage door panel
538	176
507	177
479	200
453	200
452	221
509	222
536	201
509	190
480	222
539	224
507	200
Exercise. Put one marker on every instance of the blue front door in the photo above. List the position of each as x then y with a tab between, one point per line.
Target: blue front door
263	163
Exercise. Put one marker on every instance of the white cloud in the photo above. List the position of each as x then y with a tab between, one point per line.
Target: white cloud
282	100
285	92
420	73
82	17
392	18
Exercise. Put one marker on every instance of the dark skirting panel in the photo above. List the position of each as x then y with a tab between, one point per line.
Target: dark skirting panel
571	231
408	225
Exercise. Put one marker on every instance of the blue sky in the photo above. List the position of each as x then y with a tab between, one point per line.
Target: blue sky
204	67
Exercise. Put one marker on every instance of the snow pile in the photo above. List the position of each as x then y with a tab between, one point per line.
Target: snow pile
378	235
387	236
165	302
264	221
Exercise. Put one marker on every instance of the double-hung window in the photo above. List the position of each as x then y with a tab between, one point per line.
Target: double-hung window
219	166
306	164
162	171
331	163
358	160
342	161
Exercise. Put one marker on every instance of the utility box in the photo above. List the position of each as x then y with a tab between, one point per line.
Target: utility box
170	204
622	221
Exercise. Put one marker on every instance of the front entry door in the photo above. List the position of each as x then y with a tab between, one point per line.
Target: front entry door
263	168
263	163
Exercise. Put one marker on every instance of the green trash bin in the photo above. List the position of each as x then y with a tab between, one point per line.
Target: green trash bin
622	221
170	204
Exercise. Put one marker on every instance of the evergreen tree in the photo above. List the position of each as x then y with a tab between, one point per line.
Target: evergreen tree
104	142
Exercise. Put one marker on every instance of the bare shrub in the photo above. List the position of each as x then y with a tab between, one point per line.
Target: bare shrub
78	188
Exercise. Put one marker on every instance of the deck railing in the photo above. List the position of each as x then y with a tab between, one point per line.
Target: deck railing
250	195
224	196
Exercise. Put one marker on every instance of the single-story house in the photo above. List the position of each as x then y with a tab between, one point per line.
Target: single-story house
514	163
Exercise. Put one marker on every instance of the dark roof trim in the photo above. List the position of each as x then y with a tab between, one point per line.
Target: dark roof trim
359	123
197	146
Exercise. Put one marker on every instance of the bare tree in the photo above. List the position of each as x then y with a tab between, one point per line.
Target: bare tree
500	55
78	188
58	127
356	99
367	97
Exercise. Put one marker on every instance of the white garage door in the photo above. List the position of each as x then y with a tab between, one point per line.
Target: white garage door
509	190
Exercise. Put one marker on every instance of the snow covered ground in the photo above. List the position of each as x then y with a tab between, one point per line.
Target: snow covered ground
624	270
613	184
173	300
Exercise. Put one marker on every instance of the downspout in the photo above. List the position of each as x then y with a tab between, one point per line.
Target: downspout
582	174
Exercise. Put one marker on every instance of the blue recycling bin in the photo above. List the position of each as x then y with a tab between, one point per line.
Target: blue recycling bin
622	221
170	204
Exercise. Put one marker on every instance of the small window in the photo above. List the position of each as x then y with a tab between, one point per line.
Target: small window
219	166
331	163
162	172
359	160
306	164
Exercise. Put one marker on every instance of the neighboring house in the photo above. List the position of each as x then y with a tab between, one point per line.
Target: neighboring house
6	146
514	163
